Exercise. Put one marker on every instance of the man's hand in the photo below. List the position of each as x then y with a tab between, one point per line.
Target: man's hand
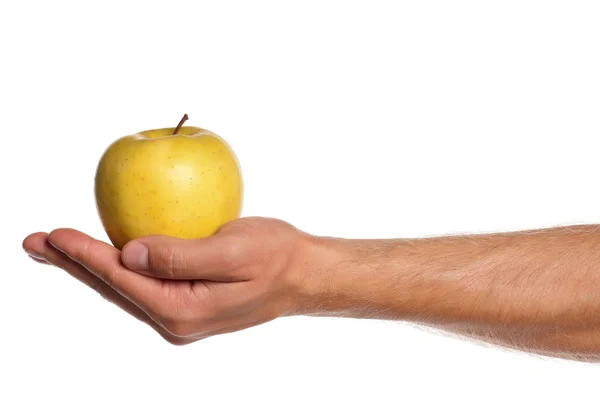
244	275
536	291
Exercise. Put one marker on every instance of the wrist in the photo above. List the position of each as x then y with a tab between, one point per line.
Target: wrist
349	278
317	267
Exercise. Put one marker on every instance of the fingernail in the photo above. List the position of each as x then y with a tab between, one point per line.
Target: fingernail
33	254
135	256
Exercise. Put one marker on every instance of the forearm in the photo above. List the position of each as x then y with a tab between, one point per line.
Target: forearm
532	290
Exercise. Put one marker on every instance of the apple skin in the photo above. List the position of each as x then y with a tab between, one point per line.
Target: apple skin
185	185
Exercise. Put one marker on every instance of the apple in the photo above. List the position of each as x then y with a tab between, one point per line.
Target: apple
184	182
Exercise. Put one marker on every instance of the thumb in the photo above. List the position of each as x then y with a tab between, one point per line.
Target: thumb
174	258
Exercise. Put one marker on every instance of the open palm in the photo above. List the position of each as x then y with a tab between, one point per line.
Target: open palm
187	290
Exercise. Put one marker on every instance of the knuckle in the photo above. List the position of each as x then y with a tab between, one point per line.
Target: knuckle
170	265
112	278
102	290
102	293
85	254
165	261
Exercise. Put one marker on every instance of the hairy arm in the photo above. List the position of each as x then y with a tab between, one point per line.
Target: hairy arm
536	291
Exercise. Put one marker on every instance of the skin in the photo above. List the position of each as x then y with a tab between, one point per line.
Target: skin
535	291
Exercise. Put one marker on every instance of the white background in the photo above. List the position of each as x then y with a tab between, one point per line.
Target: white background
355	119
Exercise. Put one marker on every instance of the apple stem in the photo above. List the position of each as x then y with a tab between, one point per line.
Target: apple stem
183	119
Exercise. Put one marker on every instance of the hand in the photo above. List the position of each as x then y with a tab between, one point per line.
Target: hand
244	275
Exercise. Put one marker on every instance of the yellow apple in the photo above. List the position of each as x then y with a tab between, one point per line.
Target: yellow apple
183	181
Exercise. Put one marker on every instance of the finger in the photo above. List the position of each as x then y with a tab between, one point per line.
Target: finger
39	260
35	256
103	260
46	253
30	244
212	258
